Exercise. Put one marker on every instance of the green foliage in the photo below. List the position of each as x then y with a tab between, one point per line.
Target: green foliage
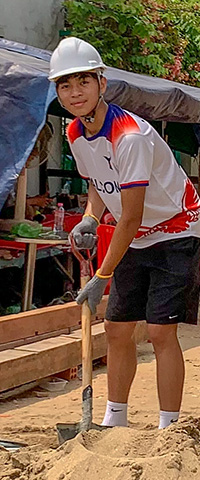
160	38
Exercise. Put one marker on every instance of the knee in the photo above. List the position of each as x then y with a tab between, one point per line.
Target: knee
119	332
162	335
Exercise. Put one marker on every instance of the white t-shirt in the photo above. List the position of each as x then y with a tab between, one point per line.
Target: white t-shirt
127	153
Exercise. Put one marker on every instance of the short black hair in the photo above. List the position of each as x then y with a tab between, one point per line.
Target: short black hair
65	78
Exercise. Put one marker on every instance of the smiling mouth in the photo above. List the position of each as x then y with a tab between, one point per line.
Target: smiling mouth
78	104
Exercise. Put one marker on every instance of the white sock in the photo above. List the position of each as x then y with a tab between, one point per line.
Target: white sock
167	418
116	415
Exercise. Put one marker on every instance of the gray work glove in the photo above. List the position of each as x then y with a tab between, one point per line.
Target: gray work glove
84	233
93	292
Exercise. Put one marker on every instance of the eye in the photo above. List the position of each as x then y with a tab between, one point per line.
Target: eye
84	82
64	86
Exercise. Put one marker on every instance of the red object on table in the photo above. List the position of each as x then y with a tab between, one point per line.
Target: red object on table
105	233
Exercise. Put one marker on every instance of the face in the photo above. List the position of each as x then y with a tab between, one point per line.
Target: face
79	94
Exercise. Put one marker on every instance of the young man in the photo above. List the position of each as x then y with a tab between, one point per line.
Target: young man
154	253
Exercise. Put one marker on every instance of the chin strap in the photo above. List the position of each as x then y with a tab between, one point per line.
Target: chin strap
90	118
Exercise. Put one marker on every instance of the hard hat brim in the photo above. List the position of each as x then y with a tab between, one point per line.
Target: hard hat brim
70	71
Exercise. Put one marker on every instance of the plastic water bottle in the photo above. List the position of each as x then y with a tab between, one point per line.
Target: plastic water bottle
59	218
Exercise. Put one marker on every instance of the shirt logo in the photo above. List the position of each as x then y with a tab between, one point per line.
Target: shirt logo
105	187
109	162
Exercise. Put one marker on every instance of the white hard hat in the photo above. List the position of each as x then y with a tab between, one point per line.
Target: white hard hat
74	55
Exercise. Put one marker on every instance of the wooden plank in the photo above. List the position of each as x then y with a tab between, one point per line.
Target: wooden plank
141	335
11	355
43	320
43	241
99	344
42	359
23	366
37	360
45	345
99	341
38	338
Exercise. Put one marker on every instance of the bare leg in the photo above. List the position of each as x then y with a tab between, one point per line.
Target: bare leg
170	366
121	359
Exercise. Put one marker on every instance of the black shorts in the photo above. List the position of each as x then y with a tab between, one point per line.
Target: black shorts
159	284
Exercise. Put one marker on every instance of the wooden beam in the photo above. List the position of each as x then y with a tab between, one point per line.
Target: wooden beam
39	360
43	320
99	344
20	366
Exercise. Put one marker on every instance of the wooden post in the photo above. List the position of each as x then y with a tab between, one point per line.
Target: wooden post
20	204
29	271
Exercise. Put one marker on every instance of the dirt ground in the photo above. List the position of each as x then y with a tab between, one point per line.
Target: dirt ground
140	452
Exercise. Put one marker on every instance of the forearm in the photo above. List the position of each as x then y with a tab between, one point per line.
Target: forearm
95	205
37	201
124	233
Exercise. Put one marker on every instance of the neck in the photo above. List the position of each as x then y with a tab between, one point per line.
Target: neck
95	127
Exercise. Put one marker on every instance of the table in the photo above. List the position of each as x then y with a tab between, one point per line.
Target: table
29	265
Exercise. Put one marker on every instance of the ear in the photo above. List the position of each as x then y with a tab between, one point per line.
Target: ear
103	82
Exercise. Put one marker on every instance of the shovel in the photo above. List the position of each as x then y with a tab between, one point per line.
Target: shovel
68	431
12	446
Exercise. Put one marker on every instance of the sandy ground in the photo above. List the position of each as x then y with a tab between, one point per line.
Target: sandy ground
139	452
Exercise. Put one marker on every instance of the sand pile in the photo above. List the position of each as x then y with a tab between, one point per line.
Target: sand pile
140	452
117	454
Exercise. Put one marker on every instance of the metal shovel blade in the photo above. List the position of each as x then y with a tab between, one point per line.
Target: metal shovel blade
12	446
67	431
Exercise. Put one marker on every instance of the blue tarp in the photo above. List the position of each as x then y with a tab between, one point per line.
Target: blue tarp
26	93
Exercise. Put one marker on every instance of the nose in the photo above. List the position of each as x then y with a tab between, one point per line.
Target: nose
75	92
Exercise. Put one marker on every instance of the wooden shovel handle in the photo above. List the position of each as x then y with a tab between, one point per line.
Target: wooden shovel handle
86	340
